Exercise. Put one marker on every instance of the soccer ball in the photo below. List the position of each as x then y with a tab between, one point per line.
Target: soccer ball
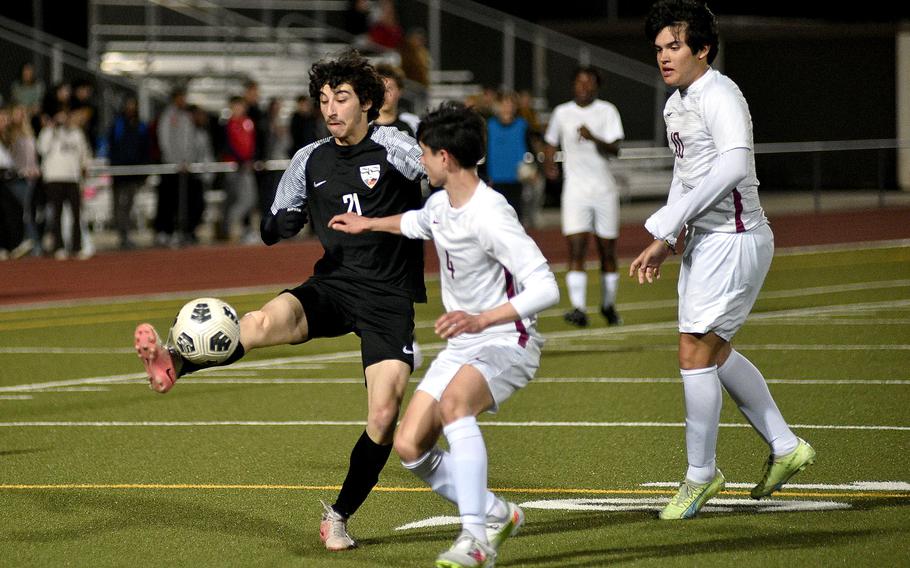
206	331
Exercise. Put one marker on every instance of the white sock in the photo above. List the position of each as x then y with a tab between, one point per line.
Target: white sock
577	285
469	474
703	401
435	468
748	388
609	283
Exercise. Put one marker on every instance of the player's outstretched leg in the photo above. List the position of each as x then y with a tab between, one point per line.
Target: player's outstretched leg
691	497
779	470
162	362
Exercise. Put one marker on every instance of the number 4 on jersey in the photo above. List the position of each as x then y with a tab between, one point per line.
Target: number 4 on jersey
353	203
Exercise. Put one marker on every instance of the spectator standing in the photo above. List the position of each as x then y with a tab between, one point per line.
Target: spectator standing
28	90
129	146
199	183
240	148
21	140
176	133
65	155
506	148
11	227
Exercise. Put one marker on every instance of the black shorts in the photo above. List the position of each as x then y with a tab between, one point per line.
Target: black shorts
383	322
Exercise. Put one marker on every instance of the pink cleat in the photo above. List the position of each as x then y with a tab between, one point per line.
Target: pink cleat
159	358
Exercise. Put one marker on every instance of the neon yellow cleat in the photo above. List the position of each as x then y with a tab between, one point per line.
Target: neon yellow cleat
779	470
691	497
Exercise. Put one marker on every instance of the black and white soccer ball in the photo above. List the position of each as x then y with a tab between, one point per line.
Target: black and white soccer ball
206	331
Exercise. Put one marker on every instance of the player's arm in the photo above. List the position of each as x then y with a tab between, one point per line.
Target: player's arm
354	224
288	213
551	141
728	170
549	162
505	240
605	149
540	292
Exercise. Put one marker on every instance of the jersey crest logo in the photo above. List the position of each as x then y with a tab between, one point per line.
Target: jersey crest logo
369	175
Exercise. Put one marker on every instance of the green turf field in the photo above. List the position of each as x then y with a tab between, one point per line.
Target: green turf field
228	468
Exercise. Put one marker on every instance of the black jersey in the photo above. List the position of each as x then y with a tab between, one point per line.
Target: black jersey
378	177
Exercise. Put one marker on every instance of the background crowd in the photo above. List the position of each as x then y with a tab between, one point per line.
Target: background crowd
50	136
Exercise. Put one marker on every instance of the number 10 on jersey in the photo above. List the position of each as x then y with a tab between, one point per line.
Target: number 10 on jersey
353	203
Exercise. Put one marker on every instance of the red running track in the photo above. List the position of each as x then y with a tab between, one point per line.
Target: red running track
214	267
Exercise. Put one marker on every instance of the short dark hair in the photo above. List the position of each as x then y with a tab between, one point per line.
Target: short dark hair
353	69
588	70
694	17
458	130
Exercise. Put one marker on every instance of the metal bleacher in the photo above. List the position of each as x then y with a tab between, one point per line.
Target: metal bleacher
213	47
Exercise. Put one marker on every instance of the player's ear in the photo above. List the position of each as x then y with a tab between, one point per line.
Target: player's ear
703	52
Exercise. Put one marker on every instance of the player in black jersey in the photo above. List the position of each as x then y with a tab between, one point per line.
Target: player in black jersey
362	285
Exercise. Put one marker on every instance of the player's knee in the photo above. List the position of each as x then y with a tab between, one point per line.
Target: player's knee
407	447
382	417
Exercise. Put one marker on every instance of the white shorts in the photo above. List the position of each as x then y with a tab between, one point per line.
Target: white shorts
587	210
720	277
504	364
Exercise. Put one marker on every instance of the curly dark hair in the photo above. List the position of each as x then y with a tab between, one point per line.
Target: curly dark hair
352	68
692	16
458	130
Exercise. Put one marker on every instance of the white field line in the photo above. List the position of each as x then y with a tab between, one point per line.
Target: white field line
853	486
626	504
432	347
239	291
300	423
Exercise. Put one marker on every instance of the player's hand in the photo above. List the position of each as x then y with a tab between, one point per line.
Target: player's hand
455	323
585	133
647	265
290	220
350	223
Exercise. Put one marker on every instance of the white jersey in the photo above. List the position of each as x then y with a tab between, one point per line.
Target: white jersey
710	118
484	256
583	165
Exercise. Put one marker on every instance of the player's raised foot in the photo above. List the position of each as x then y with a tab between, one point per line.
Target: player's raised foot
333	530
576	317
498	530
162	362
467	552
609	312
691	497
779	470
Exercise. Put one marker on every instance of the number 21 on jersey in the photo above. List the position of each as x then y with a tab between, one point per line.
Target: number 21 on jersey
353	203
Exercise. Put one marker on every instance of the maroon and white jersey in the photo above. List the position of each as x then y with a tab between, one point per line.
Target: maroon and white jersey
706	120
485	256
